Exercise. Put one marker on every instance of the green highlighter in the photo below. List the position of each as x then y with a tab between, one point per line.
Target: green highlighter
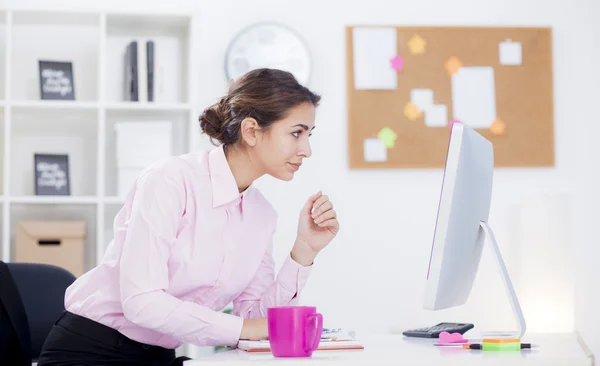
509	346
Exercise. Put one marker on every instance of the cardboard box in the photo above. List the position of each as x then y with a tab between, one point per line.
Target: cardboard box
60	243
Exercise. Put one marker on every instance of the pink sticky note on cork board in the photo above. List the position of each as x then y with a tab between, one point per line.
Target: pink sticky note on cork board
397	63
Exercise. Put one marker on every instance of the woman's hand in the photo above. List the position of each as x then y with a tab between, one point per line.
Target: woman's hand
255	329
318	225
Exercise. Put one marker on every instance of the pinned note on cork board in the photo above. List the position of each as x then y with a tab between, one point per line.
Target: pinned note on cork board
407	85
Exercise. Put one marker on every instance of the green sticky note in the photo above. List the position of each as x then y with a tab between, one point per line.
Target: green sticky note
511	346
387	136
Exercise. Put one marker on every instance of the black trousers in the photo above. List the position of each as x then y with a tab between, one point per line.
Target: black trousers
75	340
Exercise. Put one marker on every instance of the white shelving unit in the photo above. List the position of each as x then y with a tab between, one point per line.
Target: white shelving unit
84	129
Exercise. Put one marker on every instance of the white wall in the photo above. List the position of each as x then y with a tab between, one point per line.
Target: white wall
372	276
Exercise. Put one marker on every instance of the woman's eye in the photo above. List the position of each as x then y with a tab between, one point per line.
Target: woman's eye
296	134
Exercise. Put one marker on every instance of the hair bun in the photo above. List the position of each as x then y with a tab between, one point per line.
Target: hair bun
212	123
265	95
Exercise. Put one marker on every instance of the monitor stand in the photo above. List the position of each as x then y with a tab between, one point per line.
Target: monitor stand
514	301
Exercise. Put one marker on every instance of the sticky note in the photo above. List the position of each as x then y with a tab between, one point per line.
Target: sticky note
474	96
498	127
436	116
387	136
452	65
422	98
374	150
416	45
446	337
412	111
397	63
510	52
372	50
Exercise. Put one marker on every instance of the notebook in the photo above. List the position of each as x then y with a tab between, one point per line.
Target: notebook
324	345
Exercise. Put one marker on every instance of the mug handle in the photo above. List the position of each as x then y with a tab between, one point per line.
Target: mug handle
317	339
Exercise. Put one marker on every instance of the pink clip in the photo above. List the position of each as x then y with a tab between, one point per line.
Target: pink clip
446	337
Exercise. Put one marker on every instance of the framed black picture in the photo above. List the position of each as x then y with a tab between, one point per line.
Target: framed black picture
52	175
56	80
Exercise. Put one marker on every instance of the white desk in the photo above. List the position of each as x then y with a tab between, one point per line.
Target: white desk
554	350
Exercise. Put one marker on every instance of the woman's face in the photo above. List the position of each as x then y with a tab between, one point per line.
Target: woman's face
283	147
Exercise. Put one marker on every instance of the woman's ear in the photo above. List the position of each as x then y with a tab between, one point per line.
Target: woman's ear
249	129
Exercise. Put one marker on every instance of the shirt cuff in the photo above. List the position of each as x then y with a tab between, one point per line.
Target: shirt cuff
232	328
292	275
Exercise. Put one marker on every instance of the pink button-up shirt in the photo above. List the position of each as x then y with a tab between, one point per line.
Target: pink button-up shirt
187	244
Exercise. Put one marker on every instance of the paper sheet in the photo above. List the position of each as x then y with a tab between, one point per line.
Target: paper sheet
436	116
510	52
422	98
375	150
474	96
373	48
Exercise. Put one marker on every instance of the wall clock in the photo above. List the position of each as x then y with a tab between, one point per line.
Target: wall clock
269	45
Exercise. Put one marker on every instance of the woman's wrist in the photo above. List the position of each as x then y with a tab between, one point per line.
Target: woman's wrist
255	329
302	253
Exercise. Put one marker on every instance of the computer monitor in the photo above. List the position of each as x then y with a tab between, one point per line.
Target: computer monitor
462	227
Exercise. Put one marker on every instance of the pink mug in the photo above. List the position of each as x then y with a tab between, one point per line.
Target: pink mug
294	331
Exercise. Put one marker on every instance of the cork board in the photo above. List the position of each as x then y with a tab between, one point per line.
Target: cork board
407	85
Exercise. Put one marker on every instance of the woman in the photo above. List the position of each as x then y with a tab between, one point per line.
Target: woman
194	236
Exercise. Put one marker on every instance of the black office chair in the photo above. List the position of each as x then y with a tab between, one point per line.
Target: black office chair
42	289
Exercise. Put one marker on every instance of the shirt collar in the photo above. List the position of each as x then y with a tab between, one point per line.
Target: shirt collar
223	183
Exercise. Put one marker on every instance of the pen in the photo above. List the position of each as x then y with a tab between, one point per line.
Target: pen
499	346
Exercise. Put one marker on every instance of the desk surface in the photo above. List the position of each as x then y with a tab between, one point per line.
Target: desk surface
554	350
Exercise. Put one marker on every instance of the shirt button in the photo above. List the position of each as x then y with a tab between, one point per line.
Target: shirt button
220	284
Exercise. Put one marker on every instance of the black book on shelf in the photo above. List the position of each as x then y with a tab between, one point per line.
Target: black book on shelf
150	67
131	72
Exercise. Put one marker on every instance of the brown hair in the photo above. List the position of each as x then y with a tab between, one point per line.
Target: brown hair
263	94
